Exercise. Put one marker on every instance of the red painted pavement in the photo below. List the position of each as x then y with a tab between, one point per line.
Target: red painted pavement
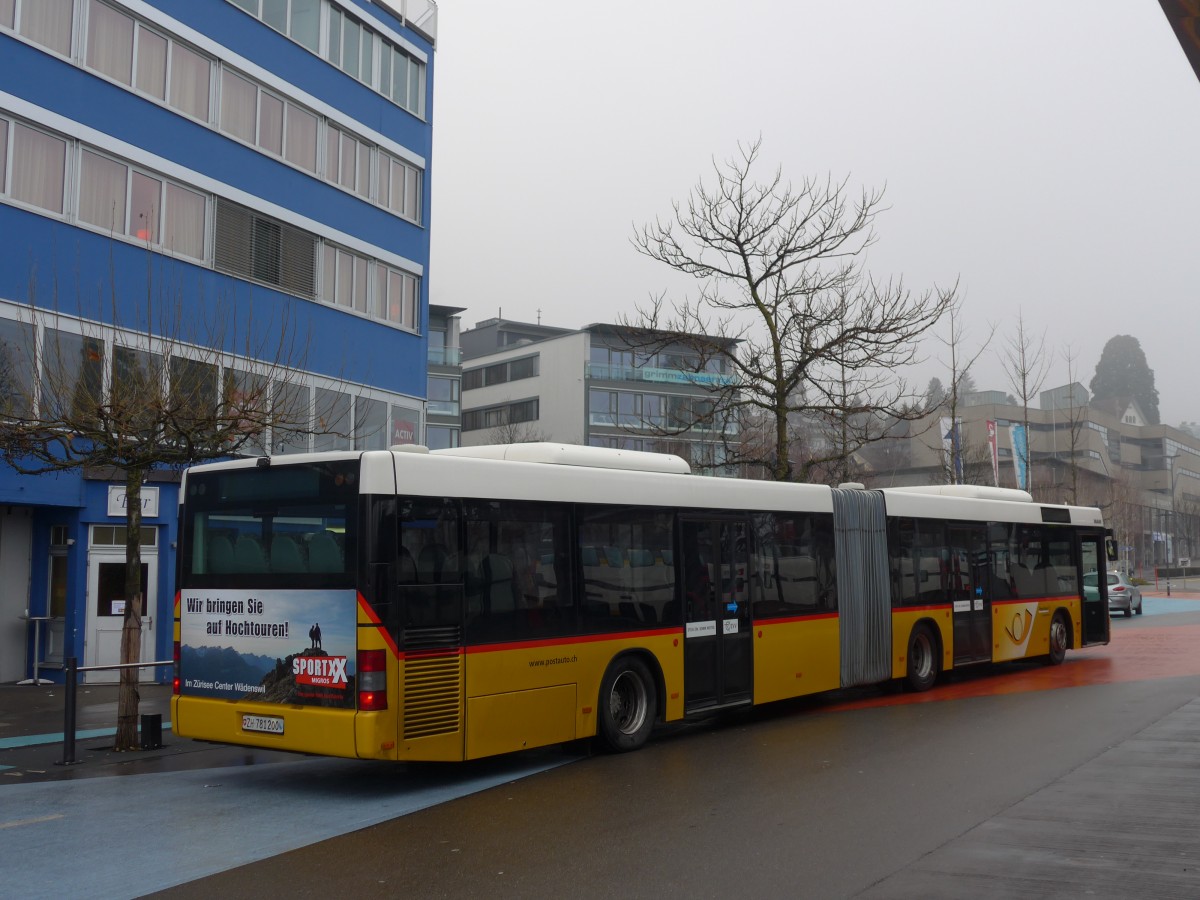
1134	654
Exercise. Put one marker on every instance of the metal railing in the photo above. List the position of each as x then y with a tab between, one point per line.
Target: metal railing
72	669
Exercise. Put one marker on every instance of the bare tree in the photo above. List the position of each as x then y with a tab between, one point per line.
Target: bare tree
808	334
1076	422
154	395
960	362
1025	361
516	433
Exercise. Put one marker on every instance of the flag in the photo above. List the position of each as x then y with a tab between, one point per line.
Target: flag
991	438
1020	449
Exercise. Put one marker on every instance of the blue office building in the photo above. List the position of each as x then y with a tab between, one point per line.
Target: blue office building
243	180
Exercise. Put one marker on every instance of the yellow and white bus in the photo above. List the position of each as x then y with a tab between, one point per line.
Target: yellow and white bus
461	603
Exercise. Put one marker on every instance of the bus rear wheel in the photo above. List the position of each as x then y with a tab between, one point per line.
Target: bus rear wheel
628	705
922	659
1060	639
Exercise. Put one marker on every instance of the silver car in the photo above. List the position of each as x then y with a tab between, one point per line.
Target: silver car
1123	596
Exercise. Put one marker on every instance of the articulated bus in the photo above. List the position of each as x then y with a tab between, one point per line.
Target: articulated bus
461	603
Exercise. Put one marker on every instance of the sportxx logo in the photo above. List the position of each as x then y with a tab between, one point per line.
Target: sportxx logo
326	671
1018	629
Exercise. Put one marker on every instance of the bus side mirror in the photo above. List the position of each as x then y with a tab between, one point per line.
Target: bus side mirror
1110	549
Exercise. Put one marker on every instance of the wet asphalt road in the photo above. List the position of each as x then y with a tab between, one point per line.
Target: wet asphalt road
814	798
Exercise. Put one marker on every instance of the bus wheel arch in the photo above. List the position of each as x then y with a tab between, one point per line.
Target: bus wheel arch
629	702
1061	638
924	658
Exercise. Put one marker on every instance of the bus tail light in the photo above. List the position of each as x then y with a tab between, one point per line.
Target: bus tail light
175	657
372	679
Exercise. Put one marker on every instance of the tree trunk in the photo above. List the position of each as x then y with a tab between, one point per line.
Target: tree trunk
131	630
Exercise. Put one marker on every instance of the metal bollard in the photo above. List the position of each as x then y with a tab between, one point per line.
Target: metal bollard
72	678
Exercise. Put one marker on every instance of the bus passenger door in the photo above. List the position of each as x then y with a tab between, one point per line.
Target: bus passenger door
717	628
969	592
1095	596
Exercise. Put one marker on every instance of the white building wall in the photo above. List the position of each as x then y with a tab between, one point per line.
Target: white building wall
559	388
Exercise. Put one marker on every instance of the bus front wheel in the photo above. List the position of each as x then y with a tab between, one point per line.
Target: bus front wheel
628	705
922	659
1060	638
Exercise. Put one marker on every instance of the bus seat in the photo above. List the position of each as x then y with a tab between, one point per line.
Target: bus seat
285	555
324	554
406	569
588	556
248	555
639	558
499	585
220	555
431	564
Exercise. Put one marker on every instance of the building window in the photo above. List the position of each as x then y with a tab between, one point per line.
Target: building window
253	246
501	373
190	76
16	375
350	45
405	422
102	189
128	52
72	381
397	294
344	280
110	42
370	424
496	416
120	200
443	396
399	187
347	161
440	437
45	22
39	163
254	115
332	424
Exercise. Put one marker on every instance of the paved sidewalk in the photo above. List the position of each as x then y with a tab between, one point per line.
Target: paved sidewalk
31	736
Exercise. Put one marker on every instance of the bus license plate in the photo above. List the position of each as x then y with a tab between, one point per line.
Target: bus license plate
267	724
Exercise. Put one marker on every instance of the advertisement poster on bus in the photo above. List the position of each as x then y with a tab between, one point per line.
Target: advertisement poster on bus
276	646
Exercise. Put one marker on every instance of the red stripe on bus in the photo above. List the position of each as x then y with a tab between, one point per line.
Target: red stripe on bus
1023	600
377	623
932	607
578	639
799	618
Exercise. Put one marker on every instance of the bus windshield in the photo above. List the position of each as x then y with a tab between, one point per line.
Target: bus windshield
294	525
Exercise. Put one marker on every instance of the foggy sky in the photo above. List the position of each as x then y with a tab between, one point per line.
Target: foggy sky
1042	152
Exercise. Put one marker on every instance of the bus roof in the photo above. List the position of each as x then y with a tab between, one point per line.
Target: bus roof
566	473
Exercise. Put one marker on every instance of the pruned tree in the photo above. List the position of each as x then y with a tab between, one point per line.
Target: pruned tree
158	392
1026	364
807	334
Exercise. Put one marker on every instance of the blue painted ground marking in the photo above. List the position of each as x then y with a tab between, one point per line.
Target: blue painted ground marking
33	740
194	823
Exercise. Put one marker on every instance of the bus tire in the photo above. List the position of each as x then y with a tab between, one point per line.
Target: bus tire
628	705
923	659
1060	638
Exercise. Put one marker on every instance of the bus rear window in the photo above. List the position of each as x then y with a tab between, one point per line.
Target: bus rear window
287	522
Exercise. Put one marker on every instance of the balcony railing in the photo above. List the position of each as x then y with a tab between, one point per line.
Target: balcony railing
419	14
445	356
657	376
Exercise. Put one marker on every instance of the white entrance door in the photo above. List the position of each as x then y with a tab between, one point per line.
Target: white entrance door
106	611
